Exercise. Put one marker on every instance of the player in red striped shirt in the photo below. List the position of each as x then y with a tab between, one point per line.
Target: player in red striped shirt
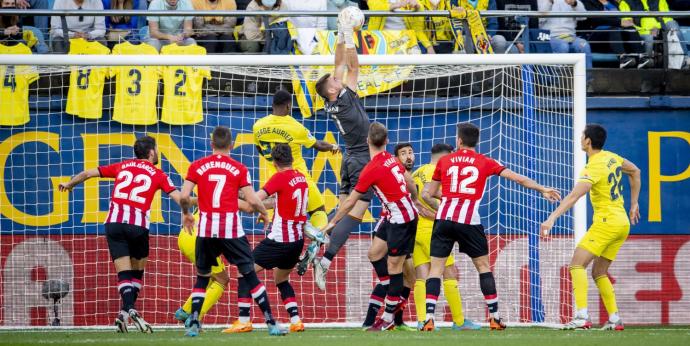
127	224
282	247
394	186
462	176
220	179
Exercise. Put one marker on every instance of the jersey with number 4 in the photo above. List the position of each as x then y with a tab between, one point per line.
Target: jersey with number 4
291	191
136	90
219	179
463	175
136	182
386	175
604	171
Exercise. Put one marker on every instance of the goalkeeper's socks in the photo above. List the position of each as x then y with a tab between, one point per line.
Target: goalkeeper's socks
287	294
199	295
378	295
244	300
258	292
488	287
124	286
137	282
403	300
393	297
338	237
433	290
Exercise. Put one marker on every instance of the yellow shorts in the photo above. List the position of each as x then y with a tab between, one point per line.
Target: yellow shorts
604	240
316	200
187	245
422	246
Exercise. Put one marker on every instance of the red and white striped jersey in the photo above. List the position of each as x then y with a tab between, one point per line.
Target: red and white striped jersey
386	175
136	182
219	179
290	214
463	176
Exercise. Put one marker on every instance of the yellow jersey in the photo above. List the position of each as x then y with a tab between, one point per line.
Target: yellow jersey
605	172
136	90
422	176
14	88
273	129
85	95
183	85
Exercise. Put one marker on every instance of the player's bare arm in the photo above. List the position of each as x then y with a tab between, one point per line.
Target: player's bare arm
429	193
325	146
551	194
635	179
186	204
251	197
79	178
412	188
580	189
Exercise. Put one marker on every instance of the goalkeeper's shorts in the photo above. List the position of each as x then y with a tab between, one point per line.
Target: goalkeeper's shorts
604	240
187	244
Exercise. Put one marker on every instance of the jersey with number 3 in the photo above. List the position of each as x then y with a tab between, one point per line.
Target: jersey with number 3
386	175
291	191
604	171
463	175
136	90
136	182
219	179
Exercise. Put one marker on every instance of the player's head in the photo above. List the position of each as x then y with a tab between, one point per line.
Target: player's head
468	135
145	149
405	154
282	102
378	135
221	139
328	86
282	155
440	150
593	137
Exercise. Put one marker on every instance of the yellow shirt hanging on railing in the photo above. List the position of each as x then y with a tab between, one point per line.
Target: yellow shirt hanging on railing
137	87
85	95
182	101
14	88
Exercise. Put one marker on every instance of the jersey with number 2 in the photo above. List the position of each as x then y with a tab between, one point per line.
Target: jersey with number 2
463	175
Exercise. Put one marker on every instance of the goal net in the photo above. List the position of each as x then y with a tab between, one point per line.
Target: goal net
530	109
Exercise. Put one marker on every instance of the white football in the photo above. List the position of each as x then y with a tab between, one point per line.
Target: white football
351	17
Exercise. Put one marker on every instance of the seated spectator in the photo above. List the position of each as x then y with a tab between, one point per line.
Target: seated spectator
563	38
167	30
12	31
400	23
40	22
649	28
606	35
509	27
252	35
86	27
215	33
306	27
498	42
122	28
337	5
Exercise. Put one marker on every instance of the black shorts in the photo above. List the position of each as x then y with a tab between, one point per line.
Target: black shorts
127	240
351	167
399	237
381	230
237	251
271	254
471	239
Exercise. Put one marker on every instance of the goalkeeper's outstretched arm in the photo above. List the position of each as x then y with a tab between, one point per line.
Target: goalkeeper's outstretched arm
346	58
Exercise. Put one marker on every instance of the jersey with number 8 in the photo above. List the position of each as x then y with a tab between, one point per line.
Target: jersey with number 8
292	191
463	176
136	182
219	179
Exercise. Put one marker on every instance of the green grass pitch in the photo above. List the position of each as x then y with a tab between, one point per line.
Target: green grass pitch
355	337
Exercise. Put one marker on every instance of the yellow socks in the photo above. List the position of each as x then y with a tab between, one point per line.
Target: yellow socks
450	290
608	296
579	277
419	299
214	291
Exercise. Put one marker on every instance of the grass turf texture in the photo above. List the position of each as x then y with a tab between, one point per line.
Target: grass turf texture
356	337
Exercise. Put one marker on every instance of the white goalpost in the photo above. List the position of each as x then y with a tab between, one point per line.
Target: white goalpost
531	110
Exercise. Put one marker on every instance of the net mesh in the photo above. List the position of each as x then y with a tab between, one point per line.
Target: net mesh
526	118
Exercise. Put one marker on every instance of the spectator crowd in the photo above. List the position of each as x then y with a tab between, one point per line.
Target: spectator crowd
628	42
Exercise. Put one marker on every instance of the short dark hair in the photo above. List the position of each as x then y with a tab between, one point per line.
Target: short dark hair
377	134
321	86
281	98
143	146
282	155
597	134
441	148
221	137
469	133
401	146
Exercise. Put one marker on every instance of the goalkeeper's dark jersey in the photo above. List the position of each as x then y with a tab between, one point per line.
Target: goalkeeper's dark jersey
351	119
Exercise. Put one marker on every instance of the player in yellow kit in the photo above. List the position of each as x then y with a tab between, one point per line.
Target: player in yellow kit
422	259
602	178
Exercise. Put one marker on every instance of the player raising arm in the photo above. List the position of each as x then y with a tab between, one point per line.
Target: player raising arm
347	111
601	177
462	176
220	179
127	224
